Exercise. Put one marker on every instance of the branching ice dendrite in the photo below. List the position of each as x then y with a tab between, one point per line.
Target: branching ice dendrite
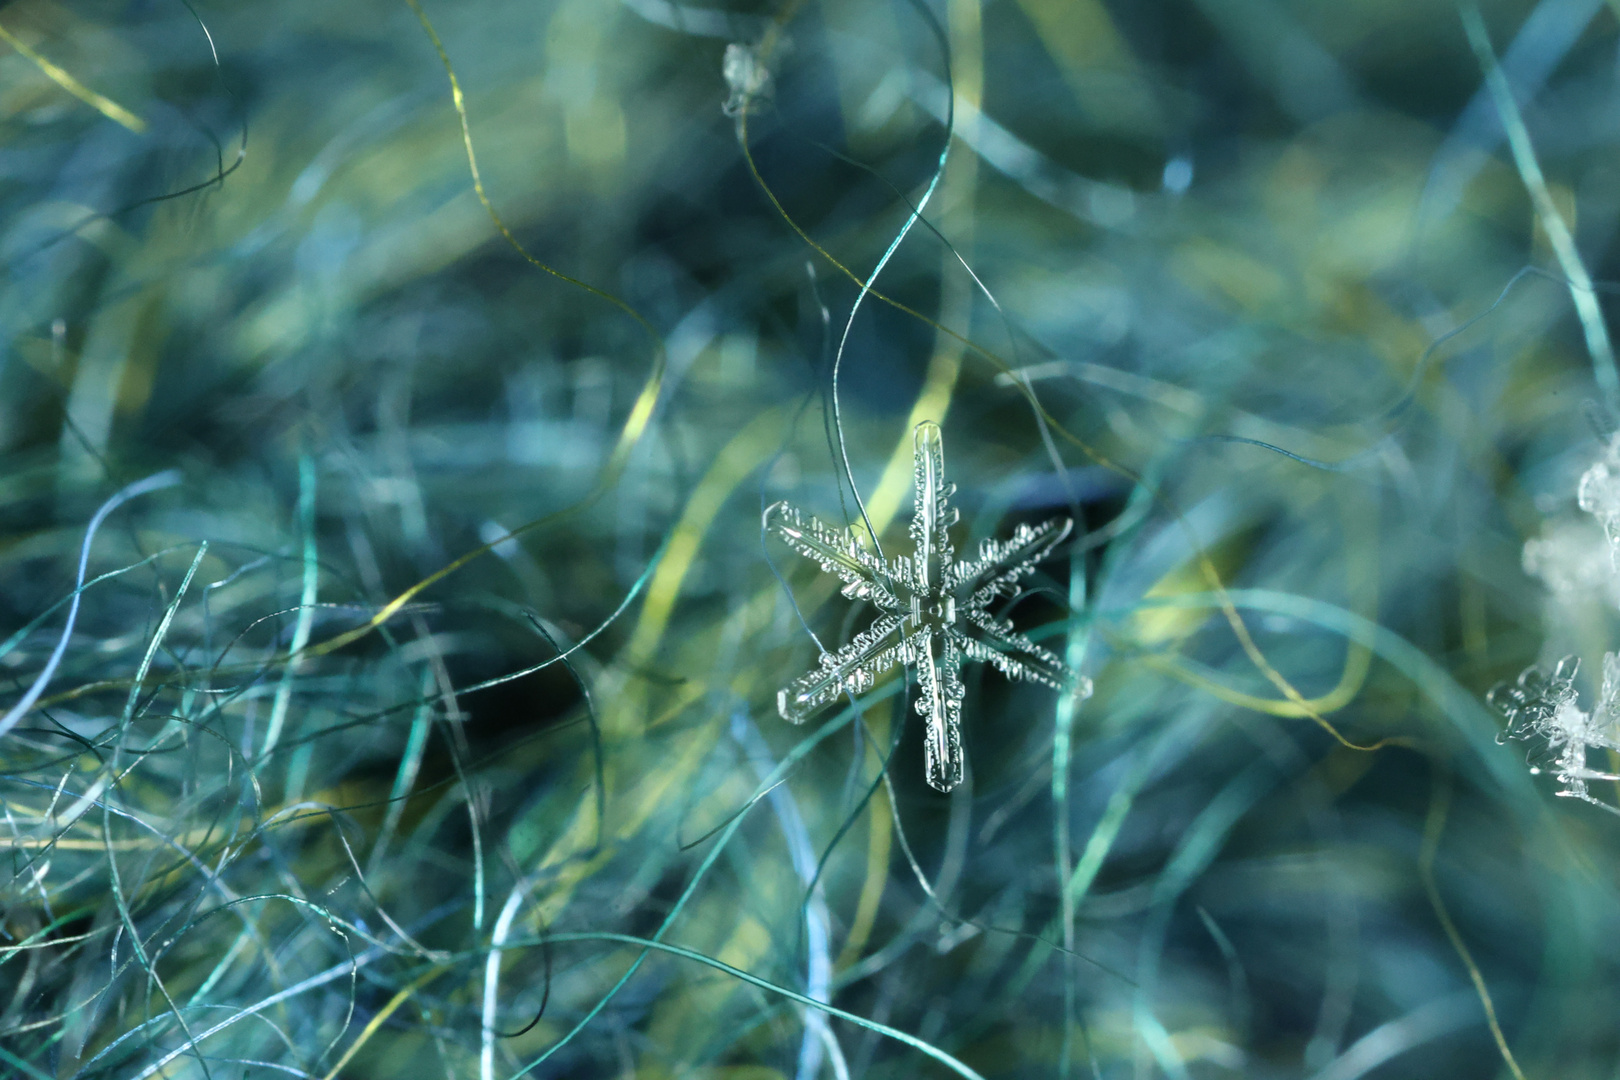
933	610
1544	707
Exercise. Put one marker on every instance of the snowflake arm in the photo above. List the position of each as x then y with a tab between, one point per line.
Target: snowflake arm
863	574
1001	563
939	677
1011	653
854	669
932	514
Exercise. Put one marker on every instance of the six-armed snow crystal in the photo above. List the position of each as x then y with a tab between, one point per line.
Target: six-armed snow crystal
933	610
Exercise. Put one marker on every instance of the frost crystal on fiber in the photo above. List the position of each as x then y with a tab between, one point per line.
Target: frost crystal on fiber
1545	707
747	78
933	610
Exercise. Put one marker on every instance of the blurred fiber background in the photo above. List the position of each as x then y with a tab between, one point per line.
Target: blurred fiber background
389	644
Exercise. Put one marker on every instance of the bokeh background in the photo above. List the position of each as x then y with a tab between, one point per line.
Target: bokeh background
327	776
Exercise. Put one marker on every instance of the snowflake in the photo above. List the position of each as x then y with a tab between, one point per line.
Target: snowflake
933	610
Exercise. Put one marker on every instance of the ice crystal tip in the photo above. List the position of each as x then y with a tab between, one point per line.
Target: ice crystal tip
777	513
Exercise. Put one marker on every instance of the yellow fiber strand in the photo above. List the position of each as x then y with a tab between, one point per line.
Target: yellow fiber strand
405	994
939	383
1258	658
1439	805
879	841
1350	679
1361	565
99	102
733	464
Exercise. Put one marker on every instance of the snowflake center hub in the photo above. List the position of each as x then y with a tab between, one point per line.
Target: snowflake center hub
932	616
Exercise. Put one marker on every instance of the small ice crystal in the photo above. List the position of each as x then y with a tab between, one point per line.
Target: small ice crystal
1599	495
747	78
1544	707
1529	703
1571	559
933	610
